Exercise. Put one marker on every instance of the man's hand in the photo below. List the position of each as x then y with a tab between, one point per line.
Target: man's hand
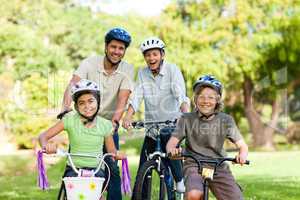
115	123
63	112
175	152
184	108
127	121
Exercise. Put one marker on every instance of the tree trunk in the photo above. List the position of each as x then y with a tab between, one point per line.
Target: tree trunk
262	134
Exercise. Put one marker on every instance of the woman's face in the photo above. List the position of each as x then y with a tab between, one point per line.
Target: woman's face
87	105
206	101
153	58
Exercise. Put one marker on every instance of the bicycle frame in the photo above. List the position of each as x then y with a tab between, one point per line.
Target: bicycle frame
157	155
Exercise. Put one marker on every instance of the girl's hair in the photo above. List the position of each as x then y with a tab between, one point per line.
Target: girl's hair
219	105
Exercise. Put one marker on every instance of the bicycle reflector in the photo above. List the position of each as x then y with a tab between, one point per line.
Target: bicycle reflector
208	173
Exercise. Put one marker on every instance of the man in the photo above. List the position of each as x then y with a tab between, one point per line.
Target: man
115	79
161	86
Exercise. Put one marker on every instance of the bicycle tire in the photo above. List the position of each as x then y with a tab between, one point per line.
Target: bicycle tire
150	167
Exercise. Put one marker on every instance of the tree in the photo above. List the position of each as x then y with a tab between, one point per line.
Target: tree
235	37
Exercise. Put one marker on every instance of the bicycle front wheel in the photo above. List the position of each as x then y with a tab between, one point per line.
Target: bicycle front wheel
150	183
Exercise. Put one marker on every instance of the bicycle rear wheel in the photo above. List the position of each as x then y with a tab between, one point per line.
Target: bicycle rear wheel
150	183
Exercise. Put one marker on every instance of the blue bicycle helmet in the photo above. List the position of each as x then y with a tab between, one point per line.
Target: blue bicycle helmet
208	80
118	34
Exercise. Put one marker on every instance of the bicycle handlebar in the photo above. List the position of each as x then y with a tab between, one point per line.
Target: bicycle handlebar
216	161
62	153
142	124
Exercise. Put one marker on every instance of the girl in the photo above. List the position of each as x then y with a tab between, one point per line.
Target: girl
87	132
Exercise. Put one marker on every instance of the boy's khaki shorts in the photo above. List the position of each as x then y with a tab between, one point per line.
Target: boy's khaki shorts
223	185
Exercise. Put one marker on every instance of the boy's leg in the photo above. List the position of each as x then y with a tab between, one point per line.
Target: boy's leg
114	185
224	185
193	183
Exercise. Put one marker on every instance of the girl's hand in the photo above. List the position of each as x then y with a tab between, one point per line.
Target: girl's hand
120	156
50	148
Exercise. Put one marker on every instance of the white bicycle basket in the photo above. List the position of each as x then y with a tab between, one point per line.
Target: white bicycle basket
83	188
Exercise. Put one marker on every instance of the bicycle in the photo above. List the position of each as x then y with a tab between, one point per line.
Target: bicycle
154	171
85	185
207	172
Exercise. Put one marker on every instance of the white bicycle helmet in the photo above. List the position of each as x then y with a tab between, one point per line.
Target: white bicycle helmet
84	85
152	43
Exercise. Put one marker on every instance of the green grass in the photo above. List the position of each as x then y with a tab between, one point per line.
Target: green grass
271	176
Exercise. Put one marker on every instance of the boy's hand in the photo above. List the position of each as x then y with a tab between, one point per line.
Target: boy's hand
241	158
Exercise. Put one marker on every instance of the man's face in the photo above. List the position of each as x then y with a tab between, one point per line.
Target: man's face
115	51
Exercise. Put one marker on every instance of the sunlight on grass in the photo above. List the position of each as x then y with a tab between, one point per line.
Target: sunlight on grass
270	176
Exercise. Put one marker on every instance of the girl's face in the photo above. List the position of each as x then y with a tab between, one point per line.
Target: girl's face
153	58
206	101
87	105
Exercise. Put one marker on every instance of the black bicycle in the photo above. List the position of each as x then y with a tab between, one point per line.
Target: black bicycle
207	172
154	179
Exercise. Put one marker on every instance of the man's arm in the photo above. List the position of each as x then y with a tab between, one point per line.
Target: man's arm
123	96
179	90
67	100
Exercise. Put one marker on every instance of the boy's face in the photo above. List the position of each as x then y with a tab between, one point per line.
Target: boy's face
206	101
115	51
87	105
153	58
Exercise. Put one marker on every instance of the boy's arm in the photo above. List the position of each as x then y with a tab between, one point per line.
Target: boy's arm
243	151
50	133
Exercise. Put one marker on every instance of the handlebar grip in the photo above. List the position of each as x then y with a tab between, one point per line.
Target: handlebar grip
117	126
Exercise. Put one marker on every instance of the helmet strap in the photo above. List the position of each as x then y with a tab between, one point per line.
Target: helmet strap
206	117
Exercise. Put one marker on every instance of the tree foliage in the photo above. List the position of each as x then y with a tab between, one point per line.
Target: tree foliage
235	40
